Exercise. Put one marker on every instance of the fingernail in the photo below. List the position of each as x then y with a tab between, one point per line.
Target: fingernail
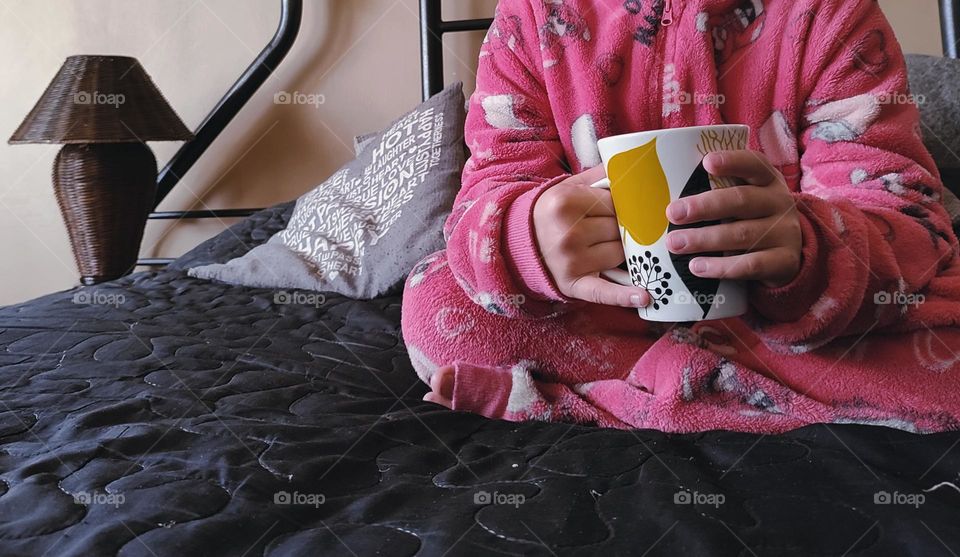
698	266
636	300
677	210
676	241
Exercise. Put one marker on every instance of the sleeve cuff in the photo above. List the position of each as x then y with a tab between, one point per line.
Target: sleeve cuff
522	252
481	390
791	301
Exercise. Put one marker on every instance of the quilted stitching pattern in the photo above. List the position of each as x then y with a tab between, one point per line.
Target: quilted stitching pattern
188	409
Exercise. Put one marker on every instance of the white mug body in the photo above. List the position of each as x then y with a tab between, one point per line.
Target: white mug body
646	171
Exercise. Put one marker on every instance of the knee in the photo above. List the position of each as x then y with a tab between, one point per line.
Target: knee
428	282
429	286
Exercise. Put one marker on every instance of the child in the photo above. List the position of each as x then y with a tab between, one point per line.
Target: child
851	260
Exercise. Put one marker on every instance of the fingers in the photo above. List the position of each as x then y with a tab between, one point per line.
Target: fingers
570	203
591	260
751	166
745	235
775	267
581	239
603	257
599	230
763	196
602	196
602	202
597	290
739	202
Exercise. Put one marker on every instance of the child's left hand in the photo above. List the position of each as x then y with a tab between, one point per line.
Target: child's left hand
765	224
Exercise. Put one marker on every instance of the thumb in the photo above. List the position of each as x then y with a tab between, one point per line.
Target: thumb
601	291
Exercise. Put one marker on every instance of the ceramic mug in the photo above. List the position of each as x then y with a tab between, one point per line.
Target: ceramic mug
645	172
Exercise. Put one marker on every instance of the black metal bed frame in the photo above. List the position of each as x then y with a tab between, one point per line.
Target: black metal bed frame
432	29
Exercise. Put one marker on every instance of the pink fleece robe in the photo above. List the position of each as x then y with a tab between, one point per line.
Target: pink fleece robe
866	333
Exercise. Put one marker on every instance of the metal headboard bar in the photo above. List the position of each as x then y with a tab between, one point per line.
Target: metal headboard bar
201	214
155	261
432	29
291	15
950	27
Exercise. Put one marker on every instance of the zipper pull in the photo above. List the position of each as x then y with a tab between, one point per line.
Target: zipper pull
667	19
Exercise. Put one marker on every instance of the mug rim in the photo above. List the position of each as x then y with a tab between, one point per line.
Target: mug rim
692	129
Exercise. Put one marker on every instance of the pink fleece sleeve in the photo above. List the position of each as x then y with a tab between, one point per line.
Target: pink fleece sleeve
514	394
516	155
875	230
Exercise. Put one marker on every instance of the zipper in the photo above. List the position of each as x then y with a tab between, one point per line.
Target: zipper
667	19
663	41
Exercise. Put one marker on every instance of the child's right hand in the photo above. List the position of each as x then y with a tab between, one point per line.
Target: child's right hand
578	236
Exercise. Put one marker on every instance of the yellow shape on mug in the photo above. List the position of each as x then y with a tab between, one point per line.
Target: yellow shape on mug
640	193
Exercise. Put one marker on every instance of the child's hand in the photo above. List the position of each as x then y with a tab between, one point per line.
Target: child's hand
766	224
579	237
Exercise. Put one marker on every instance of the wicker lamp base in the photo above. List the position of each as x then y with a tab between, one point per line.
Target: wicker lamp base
105	192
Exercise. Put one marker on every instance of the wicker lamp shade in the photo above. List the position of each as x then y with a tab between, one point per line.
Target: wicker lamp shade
101	99
103	108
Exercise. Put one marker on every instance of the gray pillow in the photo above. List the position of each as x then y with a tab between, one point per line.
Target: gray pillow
361	232
935	84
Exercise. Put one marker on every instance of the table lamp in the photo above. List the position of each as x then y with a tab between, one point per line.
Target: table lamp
103	109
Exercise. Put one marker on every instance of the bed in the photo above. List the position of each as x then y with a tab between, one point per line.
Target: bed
184	417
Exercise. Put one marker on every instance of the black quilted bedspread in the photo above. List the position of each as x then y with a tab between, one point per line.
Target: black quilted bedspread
162	415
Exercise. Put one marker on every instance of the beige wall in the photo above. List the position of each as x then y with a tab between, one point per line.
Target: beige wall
361	55
917	23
